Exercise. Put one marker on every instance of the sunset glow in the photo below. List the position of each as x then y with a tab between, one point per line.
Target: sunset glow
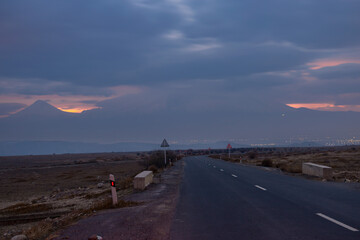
325	106
329	63
76	110
70	103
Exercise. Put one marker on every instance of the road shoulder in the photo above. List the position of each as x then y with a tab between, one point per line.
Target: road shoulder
150	220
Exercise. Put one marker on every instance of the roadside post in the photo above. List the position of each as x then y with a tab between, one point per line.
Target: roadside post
229	148
113	189
164	145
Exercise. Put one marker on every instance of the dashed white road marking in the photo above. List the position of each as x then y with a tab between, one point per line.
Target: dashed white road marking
264	189
221	170
233	175
337	222
214	166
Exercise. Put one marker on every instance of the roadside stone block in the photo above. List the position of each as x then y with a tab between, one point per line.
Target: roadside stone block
318	170
143	179
19	237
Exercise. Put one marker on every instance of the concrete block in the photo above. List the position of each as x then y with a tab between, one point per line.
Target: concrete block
143	179
313	169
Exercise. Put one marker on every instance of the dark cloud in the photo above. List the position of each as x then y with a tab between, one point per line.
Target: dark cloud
87	42
186	54
111	43
312	24
33	86
342	72
336	80
223	62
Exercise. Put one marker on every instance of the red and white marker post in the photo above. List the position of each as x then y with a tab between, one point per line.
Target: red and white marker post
113	189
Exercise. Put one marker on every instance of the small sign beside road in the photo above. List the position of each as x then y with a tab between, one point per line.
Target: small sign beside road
164	143
229	147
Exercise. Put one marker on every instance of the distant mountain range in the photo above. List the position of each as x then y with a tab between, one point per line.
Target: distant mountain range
42	128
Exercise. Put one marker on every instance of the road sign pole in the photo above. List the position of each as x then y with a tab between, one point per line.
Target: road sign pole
113	189
229	148
164	145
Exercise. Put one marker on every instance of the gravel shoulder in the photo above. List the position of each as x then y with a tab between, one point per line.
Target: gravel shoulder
150	220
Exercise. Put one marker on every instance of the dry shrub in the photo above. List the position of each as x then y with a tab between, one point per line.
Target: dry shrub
226	158
125	183
215	156
157	158
41	230
267	162
153	168
252	155
292	168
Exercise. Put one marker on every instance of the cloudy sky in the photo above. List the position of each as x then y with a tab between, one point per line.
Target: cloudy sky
146	55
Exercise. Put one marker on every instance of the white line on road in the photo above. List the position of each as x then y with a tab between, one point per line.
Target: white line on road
214	166
337	222
264	189
221	170
233	175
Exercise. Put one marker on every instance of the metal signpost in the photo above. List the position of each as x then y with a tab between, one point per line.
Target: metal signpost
164	145
113	189
229	147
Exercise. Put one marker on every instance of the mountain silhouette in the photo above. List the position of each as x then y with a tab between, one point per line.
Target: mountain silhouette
40	108
43	122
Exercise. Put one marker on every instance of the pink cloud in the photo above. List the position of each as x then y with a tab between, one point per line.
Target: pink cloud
325	106
321	63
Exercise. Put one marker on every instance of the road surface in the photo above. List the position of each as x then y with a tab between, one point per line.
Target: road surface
222	200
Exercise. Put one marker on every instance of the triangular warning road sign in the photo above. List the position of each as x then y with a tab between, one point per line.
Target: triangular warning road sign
164	143
229	146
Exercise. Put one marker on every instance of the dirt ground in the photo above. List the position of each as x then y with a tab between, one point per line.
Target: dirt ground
150	220
34	187
344	160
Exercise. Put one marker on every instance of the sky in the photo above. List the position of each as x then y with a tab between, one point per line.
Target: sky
133	56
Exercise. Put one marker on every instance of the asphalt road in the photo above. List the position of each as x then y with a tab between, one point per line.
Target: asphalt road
221	200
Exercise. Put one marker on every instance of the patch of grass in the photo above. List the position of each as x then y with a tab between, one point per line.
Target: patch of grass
41	230
22	208
96	195
125	183
107	204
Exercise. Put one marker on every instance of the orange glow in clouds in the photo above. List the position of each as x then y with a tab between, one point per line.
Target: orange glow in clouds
72	103
76	110
325	106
